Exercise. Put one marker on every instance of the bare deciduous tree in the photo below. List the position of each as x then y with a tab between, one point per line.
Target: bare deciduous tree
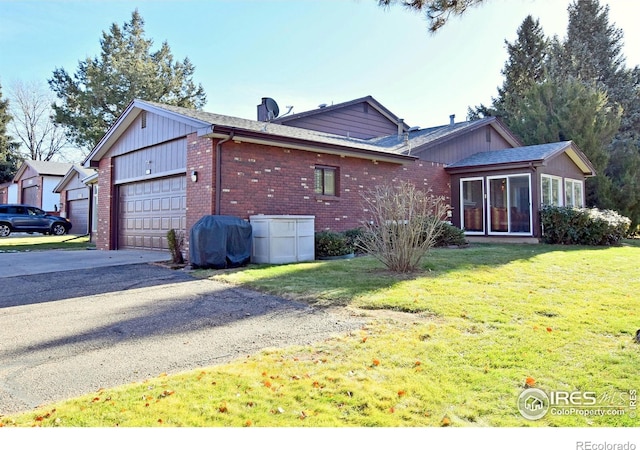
33	125
403	223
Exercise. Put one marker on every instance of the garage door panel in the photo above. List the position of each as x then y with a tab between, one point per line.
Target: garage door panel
78	215
159	206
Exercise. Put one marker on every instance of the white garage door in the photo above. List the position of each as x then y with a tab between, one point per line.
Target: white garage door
148	210
78	215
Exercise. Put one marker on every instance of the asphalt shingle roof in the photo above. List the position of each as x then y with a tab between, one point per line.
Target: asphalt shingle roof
513	155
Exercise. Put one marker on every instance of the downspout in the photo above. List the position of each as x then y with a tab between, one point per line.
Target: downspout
219	171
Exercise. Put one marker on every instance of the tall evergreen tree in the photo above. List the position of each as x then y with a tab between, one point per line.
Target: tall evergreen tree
9	159
127	68
593	54
525	66
562	110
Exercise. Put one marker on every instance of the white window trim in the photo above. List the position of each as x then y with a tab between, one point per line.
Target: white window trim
484	208
573	191
560	191
509	233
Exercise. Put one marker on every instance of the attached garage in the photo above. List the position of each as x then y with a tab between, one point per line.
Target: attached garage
78	215
148	210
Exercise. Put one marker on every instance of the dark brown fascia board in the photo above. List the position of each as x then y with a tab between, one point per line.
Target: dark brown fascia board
495	167
580	159
241	135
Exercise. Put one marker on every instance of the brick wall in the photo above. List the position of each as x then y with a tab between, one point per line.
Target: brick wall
259	179
201	194
106	192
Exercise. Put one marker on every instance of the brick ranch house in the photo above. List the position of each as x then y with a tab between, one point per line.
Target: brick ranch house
162	167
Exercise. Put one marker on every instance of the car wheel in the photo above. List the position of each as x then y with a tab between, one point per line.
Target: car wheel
58	229
5	230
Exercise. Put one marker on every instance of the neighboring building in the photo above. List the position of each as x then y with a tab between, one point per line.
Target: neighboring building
36	181
75	198
8	192
163	167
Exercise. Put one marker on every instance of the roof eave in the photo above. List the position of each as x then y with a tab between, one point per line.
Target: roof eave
242	135
126	119
494	167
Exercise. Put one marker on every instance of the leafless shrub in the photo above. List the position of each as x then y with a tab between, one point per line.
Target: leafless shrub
403	223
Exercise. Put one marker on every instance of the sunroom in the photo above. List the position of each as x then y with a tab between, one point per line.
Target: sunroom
499	193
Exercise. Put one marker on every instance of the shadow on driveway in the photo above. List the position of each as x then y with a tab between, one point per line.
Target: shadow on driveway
52	286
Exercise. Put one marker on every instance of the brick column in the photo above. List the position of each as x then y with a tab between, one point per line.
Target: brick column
201	193
107	200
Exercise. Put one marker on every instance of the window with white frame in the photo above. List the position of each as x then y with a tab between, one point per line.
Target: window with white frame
573	193
551	190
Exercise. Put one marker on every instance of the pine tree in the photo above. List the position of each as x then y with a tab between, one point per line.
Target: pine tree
562	110
9	159
127	68
525	66
593	54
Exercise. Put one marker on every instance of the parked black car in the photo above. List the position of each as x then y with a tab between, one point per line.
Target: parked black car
29	219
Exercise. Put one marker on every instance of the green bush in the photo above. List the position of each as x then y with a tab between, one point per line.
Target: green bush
450	235
331	243
582	226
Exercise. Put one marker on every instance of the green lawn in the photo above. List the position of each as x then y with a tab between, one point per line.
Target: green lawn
32	242
452	345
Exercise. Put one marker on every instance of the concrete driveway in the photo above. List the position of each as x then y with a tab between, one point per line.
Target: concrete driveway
72	332
28	263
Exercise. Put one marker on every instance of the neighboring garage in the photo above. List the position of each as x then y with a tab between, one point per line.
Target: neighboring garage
74	198
148	210
78	215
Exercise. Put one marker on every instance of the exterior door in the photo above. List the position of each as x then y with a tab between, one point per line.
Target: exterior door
472	201
509	204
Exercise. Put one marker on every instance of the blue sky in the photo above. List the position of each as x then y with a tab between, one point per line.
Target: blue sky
302	52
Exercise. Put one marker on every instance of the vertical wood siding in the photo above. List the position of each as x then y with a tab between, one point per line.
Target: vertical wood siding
158	129
160	159
480	140
358	121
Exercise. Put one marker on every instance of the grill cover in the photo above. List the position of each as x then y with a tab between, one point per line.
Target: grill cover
219	242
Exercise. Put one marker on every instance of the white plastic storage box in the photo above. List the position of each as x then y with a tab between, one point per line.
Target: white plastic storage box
281	239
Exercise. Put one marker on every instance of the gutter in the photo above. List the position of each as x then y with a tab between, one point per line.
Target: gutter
219	170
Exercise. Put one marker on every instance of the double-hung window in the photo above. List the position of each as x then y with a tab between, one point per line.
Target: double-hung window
326	180
573	193
551	194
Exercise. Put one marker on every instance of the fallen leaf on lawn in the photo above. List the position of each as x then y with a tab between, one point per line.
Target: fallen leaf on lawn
364	339
160	421
95	399
316	384
417	363
549	329
445	422
248	423
223	408
267	383
376	362
402	393
392	410
529	382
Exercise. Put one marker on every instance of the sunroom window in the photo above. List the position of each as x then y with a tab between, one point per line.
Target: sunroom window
573	193
551	190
